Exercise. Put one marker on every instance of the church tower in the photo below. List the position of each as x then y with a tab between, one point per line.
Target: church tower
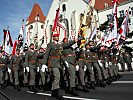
35	26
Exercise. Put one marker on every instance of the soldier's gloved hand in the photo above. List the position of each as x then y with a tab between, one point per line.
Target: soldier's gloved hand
38	69
27	68
44	67
85	68
9	70
24	70
67	64
77	67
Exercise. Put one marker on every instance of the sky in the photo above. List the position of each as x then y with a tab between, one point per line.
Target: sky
12	12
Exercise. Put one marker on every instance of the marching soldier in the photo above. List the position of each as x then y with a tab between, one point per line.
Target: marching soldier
2	68
81	63
69	60
15	65
53	53
128	60
42	72
31	66
93	49
25	73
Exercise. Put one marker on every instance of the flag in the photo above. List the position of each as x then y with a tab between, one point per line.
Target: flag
56	19
7	33
113	26
124	28
14	47
93	33
7	41
21	32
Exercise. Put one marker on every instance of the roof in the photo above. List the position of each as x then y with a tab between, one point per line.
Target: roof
100	4
36	10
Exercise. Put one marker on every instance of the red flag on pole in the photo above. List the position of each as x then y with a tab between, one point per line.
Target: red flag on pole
56	19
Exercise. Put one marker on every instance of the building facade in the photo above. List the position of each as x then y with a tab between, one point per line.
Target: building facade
104	8
35	25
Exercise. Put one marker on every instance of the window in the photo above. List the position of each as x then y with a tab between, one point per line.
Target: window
31	26
121	13
106	5
42	26
109	16
129	21
64	7
131	12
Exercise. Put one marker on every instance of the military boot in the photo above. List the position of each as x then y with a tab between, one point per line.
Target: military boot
74	92
85	89
92	85
57	95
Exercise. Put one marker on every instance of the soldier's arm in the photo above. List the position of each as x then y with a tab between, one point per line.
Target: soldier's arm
26	59
41	54
11	62
47	53
66	45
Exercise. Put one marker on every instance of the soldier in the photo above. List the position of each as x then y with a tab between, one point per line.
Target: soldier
15	65
102	62
81	63
53	53
2	69
25	73
128	60
69	61
42	72
31	66
121	60
93	49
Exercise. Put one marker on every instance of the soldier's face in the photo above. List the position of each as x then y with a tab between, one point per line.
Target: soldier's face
56	38
91	44
0	54
17	51
3	53
32	47
66	40
41	50
87	46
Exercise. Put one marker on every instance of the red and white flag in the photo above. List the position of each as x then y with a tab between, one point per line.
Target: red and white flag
124	28
56	19
7	41
14	47
113	32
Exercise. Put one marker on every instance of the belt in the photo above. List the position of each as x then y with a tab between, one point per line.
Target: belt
88	60
33	61
2	64
81	59
69	55
52	57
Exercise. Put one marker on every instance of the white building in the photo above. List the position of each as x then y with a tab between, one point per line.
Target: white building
70	20
104	8
35	25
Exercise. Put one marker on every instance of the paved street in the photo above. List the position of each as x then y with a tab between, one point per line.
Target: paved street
119	90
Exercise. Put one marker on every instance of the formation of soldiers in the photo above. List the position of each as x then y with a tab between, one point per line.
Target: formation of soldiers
60	65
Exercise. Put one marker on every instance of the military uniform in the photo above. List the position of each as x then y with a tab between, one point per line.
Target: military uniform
40	61
82	65
122	62
15	65
31	64
2	70
53	53
128	61
69	60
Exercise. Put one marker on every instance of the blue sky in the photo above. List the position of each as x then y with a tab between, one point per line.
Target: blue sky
13	11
